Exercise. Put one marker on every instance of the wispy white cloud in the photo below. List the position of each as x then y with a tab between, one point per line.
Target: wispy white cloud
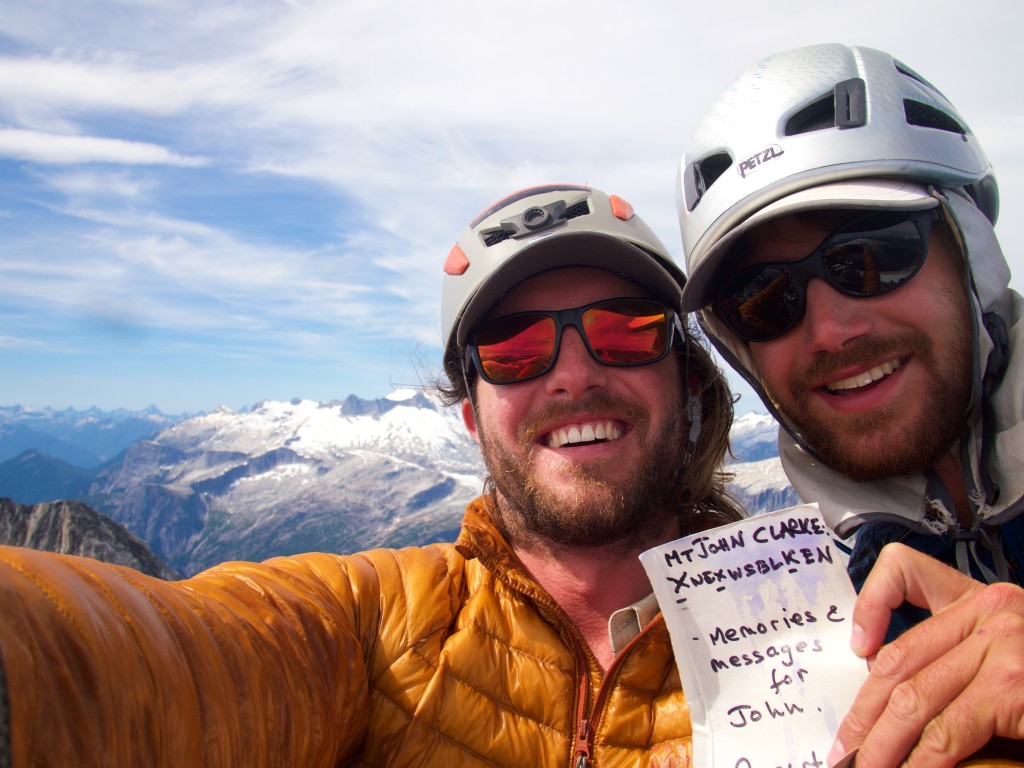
90	183
57	149
15	342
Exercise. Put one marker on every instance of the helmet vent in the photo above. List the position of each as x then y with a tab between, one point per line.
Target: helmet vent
816	116
903	69
702	174
845	107
927	116
496	236
582	208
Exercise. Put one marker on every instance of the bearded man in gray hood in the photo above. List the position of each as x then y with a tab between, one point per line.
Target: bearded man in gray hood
837	218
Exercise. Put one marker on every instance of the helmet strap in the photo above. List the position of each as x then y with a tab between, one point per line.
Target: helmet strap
464	367
693	406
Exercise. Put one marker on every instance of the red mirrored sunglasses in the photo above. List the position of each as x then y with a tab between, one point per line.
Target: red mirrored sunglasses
616	332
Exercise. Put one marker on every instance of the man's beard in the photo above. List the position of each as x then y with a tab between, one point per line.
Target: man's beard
594	511
872	446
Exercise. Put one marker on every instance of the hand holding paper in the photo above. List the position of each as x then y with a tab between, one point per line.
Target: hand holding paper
943	689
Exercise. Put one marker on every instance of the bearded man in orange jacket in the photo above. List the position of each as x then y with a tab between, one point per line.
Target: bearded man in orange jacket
534	637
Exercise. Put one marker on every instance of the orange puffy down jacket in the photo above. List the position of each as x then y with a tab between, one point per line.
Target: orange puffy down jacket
444	655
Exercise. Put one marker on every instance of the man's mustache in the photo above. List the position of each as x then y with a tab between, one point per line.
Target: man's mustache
870	350
598	402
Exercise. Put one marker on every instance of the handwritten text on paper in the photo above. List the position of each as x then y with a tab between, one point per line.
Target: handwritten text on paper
759	614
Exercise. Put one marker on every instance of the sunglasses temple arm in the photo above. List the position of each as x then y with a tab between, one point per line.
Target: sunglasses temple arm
466	363
693	407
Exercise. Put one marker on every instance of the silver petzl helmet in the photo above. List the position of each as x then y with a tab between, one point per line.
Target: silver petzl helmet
543	228
809	118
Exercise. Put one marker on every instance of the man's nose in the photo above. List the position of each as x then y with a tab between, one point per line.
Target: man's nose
575	371
833	318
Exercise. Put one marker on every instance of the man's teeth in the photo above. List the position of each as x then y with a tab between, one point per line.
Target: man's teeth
865	378
584	433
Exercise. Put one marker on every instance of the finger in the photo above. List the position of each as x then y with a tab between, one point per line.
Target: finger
914	705
993	704
895	577
924	645
959	698
902	574
866	712
921	646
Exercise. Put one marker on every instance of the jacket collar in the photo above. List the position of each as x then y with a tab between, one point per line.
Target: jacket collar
480	539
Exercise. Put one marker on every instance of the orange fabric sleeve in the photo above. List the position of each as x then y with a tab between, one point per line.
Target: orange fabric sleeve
245	664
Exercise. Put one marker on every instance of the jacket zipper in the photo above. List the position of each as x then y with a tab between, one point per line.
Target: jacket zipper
584	730
584	734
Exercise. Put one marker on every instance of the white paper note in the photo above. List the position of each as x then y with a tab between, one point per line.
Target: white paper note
760	614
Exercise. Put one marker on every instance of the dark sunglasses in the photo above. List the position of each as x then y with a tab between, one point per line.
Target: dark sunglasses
617	332
868	256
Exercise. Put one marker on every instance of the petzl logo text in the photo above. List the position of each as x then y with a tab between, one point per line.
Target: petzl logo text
756	160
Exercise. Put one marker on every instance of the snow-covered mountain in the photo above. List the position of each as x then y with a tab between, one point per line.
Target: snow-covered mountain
288	477
285	477
758	480
754	437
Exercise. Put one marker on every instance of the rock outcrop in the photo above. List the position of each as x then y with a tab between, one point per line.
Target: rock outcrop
72	528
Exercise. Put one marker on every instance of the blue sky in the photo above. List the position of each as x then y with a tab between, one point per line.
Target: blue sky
213	203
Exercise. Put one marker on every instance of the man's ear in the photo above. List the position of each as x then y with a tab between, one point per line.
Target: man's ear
469	418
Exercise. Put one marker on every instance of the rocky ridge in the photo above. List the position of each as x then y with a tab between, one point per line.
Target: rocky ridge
72	528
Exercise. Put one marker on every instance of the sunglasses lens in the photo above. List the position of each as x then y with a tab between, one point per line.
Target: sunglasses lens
627	332
760	303
869	256
516	347
874	254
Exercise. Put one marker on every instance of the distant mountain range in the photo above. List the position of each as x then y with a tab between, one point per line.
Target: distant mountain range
80	438
286	477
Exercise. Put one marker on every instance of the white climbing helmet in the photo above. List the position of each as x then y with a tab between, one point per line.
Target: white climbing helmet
821	126
544	228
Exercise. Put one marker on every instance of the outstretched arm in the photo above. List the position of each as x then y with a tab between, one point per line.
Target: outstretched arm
245	664
945	688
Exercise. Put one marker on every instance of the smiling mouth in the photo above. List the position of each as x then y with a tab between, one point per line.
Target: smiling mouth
586	433
877	373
